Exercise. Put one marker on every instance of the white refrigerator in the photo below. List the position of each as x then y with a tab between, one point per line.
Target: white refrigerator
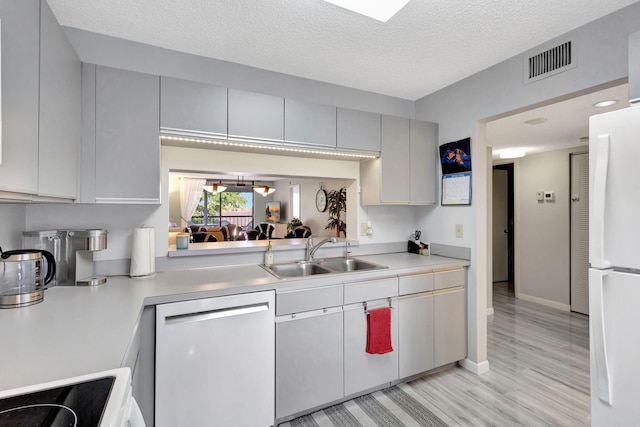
614	276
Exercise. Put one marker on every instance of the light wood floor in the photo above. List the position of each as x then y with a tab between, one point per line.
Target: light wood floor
539	375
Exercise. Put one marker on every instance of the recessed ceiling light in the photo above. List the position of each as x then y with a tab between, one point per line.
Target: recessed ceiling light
512	153
607	103
380	10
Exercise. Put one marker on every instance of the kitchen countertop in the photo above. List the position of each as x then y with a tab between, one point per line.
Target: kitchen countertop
80	330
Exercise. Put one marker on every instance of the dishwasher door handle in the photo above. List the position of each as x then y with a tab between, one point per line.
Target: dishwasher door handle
216	314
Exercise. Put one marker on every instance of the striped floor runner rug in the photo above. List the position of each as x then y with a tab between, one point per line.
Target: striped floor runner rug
392	407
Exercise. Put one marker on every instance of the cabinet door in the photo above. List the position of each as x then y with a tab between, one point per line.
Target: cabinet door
422	161
450	326
363	371
395	157
308	123
358	130
127	148
59	121
20	82
308	360
193	106
256	116
415	336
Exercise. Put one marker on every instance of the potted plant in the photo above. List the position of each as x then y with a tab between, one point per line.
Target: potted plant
293	223
337	203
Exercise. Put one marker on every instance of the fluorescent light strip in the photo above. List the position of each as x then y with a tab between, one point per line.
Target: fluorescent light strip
267	147
380	10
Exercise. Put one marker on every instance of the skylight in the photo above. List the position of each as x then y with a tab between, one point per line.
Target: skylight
381	10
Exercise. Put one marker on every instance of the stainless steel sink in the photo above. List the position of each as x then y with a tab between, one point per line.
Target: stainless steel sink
297	269
322	266
348	264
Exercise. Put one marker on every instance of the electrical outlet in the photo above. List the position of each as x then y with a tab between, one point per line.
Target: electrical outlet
363	228
459	231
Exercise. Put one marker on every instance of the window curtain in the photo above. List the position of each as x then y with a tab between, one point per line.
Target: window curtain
190	192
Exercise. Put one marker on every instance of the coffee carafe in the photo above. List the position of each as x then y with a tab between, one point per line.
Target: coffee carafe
22	280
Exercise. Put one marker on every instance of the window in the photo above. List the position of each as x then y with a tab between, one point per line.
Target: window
233	206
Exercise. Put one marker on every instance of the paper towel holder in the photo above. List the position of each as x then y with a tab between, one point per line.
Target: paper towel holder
143	261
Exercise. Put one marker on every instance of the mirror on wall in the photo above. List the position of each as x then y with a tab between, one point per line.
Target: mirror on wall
222	208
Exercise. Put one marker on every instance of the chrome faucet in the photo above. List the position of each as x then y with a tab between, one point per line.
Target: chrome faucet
311	248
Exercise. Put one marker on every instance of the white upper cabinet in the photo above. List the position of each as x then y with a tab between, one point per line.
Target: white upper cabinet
396	171
358	130
127	144
255	116
40	105
20	80
59	120
422	161
193	107
405	173
307	123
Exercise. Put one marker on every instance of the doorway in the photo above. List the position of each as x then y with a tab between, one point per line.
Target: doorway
503	225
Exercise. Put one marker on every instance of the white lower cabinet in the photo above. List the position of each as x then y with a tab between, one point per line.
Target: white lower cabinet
308	360
415	324
450	326
215	361
363	371
321	336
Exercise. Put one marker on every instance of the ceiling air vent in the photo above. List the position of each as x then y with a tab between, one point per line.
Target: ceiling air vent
548	62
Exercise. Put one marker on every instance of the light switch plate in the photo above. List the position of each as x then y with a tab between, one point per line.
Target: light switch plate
459	231
363	228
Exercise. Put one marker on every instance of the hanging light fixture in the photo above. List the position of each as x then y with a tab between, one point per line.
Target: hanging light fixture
241	182
263	190
215	188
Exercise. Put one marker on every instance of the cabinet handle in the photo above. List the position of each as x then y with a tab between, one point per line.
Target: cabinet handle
216	314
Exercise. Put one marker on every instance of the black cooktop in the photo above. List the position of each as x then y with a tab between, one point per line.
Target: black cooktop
74	405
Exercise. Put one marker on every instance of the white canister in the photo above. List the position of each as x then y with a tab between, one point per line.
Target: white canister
143	259
182	241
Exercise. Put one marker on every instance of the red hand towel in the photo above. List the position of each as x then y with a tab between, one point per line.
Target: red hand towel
379	331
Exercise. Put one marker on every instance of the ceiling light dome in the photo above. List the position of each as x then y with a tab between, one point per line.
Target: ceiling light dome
607	103
512	153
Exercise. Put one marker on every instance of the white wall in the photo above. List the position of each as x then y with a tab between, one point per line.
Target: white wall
461	111
542	229
12	224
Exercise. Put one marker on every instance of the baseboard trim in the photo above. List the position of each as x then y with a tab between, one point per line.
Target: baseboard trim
489	311
476	368
545	302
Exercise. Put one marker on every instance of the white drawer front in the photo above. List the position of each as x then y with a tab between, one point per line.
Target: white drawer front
370	290
415	284
308	299
450	279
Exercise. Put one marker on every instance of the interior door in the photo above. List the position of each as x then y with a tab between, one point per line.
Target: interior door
580	233
500	226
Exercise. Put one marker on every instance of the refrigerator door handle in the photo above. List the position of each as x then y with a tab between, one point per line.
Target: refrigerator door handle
597	220
596	313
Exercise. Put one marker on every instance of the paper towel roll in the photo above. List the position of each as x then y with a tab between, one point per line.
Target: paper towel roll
143	259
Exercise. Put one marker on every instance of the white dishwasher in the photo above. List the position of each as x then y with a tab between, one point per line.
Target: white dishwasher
215	361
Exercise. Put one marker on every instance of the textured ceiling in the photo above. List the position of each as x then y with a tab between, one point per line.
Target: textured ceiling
428	45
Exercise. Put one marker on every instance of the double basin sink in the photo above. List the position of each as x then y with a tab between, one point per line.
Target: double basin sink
321	266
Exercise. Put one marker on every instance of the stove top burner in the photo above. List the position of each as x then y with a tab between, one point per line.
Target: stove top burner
67	406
